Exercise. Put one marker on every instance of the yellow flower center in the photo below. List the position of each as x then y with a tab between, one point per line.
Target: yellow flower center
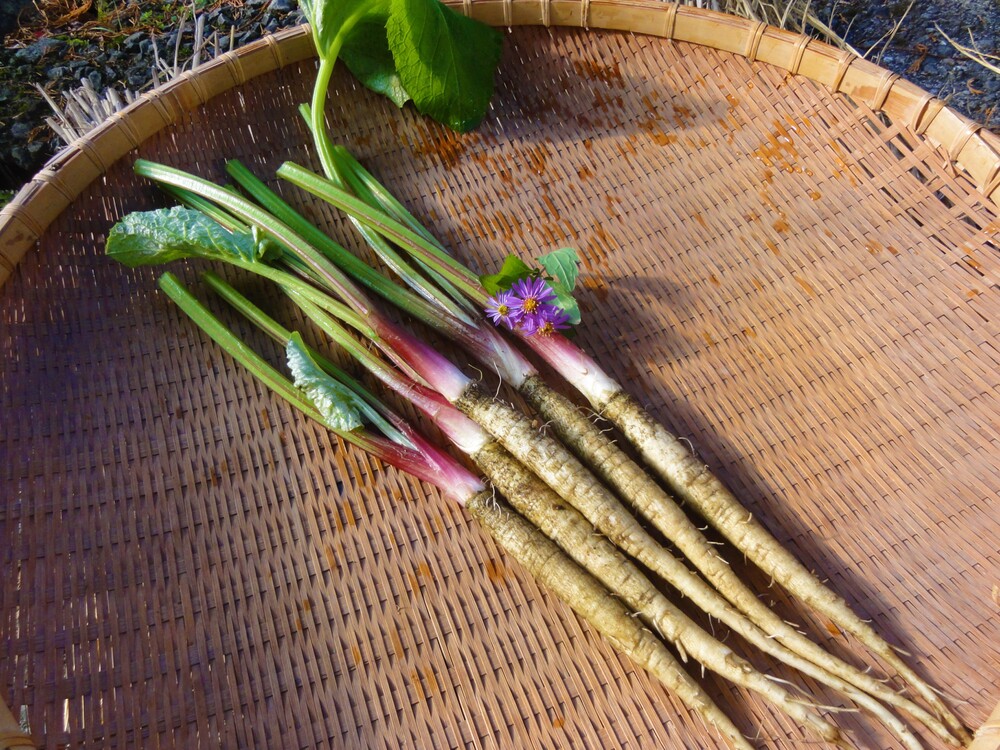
503	310
530	305
546	329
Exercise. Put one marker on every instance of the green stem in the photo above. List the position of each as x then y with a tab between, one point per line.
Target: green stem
281	334
388	227
289	281
249	212
413	454
339	171
212	211
347	261
278	332
317	109
232	345
386	450
364	185
344	339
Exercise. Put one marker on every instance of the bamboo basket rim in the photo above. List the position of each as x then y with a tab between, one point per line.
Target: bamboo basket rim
964	144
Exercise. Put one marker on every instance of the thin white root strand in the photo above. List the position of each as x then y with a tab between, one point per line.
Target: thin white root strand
831	709
682	653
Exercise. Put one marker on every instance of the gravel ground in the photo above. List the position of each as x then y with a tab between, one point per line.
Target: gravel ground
57	57
920	52
120	59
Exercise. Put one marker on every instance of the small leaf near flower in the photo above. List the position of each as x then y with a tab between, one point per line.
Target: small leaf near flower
529	302
567	302
562	265
512	270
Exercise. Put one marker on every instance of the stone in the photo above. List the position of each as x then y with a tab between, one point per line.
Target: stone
134	41
138	76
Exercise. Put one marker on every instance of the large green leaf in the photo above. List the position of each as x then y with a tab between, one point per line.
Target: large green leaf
445	60
331	20
366	54
147	238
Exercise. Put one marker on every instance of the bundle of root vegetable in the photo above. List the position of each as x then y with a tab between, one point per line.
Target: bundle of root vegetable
579	505
566	502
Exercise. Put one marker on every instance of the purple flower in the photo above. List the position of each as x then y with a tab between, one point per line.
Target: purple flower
500	309
529	308
551	319
529	295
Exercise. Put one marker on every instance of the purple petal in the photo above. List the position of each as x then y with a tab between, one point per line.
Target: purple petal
500	308
555	315
528	323
532	289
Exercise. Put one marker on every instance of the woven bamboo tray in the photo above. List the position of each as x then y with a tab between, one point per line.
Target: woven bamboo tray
790	258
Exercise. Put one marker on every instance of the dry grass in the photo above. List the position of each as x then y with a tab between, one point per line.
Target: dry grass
105	20
82	109
792	15
972	51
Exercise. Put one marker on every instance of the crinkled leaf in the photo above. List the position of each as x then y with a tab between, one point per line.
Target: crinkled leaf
445	61
329	19
366	54
147	238
566	300
562	265
336	404
513	269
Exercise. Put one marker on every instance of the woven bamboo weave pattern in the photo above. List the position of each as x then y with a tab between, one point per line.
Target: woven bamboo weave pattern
805	290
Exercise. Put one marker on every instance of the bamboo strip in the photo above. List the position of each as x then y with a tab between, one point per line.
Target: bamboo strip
11	735
988	735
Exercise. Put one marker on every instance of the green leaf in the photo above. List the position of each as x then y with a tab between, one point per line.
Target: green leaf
366	54
339	407
146	238
332	20
445	61
513	269
566	300
562	265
